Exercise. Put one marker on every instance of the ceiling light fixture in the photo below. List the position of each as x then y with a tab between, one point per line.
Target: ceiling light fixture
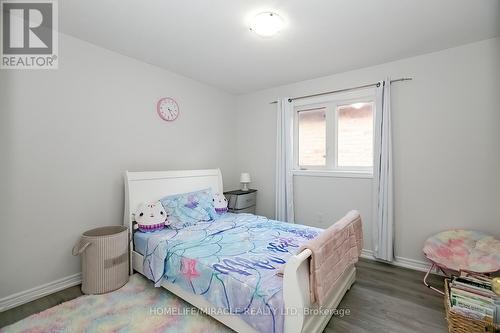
267	24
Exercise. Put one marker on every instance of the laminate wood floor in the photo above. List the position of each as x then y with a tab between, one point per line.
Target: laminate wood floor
383	299
390	299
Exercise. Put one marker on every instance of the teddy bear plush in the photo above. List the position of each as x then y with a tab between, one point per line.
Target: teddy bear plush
220	203
151	217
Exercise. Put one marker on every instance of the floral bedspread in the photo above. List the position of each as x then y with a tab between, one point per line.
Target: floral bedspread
464	250
232	262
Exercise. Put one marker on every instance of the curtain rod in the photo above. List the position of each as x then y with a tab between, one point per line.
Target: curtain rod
344	90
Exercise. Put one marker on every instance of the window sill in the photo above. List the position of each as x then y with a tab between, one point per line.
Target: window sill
333	173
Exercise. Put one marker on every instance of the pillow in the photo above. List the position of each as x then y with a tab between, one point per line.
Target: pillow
151	217
187	209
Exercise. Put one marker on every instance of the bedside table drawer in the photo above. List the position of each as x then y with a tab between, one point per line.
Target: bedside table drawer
249	210
242	201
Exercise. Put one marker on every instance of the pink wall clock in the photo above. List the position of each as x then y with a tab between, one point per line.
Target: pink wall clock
167	109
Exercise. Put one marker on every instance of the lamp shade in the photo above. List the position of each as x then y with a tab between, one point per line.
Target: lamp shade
245	178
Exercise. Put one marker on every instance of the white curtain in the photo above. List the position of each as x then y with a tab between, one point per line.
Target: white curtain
284	161
383	208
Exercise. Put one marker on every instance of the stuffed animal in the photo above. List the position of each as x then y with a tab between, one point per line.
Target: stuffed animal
151	217
220	203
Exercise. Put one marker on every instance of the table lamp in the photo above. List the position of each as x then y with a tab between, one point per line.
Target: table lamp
245	180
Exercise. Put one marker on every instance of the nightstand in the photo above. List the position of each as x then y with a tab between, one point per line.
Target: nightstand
239	201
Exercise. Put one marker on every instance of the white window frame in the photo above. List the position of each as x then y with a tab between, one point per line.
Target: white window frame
331	104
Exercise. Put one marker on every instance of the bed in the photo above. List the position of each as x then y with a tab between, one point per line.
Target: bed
235	260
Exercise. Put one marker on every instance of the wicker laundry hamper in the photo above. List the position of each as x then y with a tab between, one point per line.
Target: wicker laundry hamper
104	255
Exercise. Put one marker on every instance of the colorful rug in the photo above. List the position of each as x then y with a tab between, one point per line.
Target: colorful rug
136	307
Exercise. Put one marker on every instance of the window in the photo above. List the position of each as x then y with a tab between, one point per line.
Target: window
355	135
312	137
336	135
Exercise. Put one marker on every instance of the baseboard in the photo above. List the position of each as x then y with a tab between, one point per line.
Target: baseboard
400	261
32	294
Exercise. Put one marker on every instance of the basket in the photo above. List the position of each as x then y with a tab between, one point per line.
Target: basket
104	254
458	323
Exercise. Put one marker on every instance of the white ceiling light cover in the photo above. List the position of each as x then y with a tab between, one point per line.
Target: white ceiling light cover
267	24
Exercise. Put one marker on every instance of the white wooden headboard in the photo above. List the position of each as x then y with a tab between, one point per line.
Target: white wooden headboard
144	187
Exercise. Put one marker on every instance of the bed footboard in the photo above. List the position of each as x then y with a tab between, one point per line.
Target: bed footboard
301	315
296	291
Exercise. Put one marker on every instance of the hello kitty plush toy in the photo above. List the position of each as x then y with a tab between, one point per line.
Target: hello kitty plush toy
220	203
151	217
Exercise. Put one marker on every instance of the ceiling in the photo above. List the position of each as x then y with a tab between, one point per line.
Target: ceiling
209	41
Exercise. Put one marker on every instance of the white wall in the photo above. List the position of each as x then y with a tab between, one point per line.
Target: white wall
446	147
68	135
